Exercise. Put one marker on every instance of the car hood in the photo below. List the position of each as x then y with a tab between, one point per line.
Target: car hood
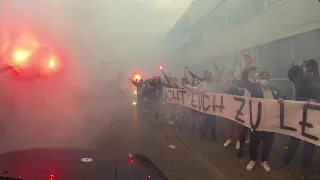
66	164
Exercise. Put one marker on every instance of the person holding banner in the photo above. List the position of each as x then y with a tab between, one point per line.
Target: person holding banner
209	85
306	79
182	111
231	88
194	113
260	90
253	77
170	108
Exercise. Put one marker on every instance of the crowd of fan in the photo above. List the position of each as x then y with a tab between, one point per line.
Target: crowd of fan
243	80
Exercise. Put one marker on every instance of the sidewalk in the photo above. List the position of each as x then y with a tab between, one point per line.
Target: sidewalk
229	166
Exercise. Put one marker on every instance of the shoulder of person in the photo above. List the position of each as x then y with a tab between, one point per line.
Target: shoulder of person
273	88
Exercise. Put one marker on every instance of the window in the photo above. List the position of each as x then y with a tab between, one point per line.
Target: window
239	15
233	4
307	45
275	57
271	3
217	19
257	6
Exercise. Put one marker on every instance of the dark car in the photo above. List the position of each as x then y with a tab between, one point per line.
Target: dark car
67	164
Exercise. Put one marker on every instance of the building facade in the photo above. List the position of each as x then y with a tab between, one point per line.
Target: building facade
274	32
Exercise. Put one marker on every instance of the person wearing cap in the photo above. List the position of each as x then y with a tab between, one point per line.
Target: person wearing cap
306	79
261	89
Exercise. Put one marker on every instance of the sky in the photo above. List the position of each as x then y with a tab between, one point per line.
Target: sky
110	30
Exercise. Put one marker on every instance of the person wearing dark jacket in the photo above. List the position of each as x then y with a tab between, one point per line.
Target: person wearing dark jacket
261	89
245	132
305	78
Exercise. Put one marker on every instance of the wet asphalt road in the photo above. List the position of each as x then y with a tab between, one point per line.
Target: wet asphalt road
117	130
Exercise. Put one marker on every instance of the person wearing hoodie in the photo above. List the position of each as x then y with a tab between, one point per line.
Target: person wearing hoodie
260	89
209	85
306	79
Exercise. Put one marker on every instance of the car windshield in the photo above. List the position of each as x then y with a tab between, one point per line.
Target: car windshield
199	89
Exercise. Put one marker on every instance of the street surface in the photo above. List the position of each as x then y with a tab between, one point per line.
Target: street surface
115	127
117	130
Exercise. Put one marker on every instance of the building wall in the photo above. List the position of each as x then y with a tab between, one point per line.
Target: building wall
236	24
274	32
289	18
274	57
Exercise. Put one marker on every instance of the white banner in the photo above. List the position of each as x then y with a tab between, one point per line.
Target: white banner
292	118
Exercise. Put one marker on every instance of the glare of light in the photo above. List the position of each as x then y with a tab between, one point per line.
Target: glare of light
137	76
121	94
51	177
149	177
134	103
135	92
52	63
161	67
130	159
20	56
